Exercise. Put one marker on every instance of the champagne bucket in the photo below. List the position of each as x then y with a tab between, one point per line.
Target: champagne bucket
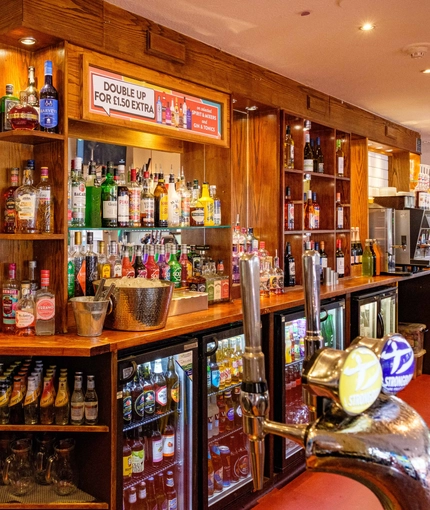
137	306
89	315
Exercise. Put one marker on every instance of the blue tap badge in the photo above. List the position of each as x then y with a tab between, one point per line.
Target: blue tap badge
397	363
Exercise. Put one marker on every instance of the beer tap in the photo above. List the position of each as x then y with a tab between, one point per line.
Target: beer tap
359	432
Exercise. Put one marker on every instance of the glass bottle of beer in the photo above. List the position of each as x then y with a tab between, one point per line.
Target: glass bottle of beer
156	446
169	440
16	401
142	503
137	456
173	388
229	426
138	399
172	499
160	493
150	498
126	404
160	387
47	411
148	389
126	460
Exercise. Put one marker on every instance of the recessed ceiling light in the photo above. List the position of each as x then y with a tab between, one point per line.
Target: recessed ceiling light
426	71
389	150
367	26
28	41
380	147
251	108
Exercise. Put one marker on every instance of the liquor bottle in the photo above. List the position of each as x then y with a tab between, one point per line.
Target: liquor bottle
22	115
175	267
378	253
340	259
45	306
158	111
109	199
173	386
339	213
169	440
25	312
208	206
77	403
45	210
31	402
373	256
156	442
137	455
62	403
134	192
127	261
103	265
9	210
309	216
315	160
174	203
317	210
161	212
16	401
139	266
114	261
278	276
147	204
354	256
217	205
91	402
91	269
93	198
184	113
152	268
26	205
197	212
8	101
78	194
149	390
367	260
185	193
319	156
359	245
123	202
340	159
288	149
288	210
71	270
141	497
160	386
47	401
10	296
48	102
323	258
80	266
308	163
289	267
150	481
32	92
163	266
186	266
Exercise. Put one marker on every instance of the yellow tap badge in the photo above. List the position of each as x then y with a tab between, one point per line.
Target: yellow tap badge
360	380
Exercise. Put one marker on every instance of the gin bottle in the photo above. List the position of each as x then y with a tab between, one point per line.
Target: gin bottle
78	194
45	307
25	316
9	211
26	205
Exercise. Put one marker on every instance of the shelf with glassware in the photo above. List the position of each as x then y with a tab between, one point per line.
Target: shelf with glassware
317	190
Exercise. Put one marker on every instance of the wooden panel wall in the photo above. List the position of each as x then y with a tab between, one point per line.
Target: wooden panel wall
359	188
399	176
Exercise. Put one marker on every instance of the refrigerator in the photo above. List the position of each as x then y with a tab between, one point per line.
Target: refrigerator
222	437
374	314
290	331
156	409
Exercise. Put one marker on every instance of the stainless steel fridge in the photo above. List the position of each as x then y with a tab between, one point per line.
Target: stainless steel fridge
290	330
374	314
157	426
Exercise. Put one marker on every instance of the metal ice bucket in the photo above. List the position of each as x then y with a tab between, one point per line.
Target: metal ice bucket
89	315
137	308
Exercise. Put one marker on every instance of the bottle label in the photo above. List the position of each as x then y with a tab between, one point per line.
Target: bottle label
216	421
161	395
217	212
340	265
174	393
239	411
62	399
76	411
340	218
230	414
134	205
138	461
147	210
126	403
44	195
172	504
123	208
132	498
157	450
30	397
139	405
126	466
26	207
210	424
24	319
48	113
340	165
292	266
244	465
110	210
324	262
198	216
46	400
91	411
216	378
164	208
308	165
169	445
149	402
4	399
45	308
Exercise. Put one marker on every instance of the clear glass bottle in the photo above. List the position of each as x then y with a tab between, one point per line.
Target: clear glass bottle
288	149
25	312
93	198
123	200
147	203
34	282
91	266
79	262
62	403
48	102
9	210
8	101
185	196
288	210
45	210
78	194
114	260
277	286
174	206
31	402
45	306
103	265
77	403
134	191
10	296
26	205
23	115
109	198
91	403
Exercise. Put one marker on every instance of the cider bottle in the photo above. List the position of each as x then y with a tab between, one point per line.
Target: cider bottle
142	503
150	498
160	493
173	387
172	499
160	387
148	389
126	460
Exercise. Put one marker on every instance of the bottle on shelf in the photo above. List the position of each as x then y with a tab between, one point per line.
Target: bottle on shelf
62	403
160	386
45	210
147	203
156	442
151	499
367	260
315	160
91	269
123	200
208	205
149	390
378	253
308	163
9	210
169	439
323	258
174	203
340	159
126	459
47	402
141	497
185	201
27	203
288	210
172	499
152	268
77	403
217	205
80	266
277	286
71	271
309	213
339	213
319	157
16	402
109	198
161	213
114	260
340	259
31	402
8	101
289	267
10	296
197	211
78	194
373	256
103	265
359	245
134	191
25	312
354	256
48	102
186	266
91	402
45	306
22	115
93	198
288	149
139	267
173	386
317	210
32	92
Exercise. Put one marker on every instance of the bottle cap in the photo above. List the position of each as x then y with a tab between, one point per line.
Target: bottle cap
9	89
44	171
48	67
78	163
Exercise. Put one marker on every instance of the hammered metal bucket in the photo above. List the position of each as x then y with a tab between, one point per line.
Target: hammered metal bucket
138	308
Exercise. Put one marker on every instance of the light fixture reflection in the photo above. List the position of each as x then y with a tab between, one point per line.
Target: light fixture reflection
251	108
426	71
28	41
367	26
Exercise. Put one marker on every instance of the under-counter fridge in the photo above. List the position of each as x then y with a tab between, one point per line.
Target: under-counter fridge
157	426
290	331
225	474
374	314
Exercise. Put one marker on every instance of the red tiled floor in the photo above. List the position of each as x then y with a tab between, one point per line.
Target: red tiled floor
321	491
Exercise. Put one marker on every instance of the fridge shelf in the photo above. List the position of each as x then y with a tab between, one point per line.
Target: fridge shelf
218	496
148	420
166	465
220	437
231	387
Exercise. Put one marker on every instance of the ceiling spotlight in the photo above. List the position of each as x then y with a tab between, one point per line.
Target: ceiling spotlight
367	26
251	108
28	41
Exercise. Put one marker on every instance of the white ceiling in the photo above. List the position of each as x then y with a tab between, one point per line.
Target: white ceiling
324	50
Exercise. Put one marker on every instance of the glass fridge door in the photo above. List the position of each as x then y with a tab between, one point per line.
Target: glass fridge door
368	311
388	310
333	324
156	409
225	444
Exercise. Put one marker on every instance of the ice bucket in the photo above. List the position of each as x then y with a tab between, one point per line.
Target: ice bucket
89	315
138	304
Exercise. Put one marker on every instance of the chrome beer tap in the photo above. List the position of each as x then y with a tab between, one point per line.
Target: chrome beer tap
374	438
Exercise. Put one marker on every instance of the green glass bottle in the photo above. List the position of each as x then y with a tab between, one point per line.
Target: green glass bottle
109	199
93	194
8	101
175	266
367	260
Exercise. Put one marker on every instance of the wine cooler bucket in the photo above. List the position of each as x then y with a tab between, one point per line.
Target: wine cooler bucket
137	306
